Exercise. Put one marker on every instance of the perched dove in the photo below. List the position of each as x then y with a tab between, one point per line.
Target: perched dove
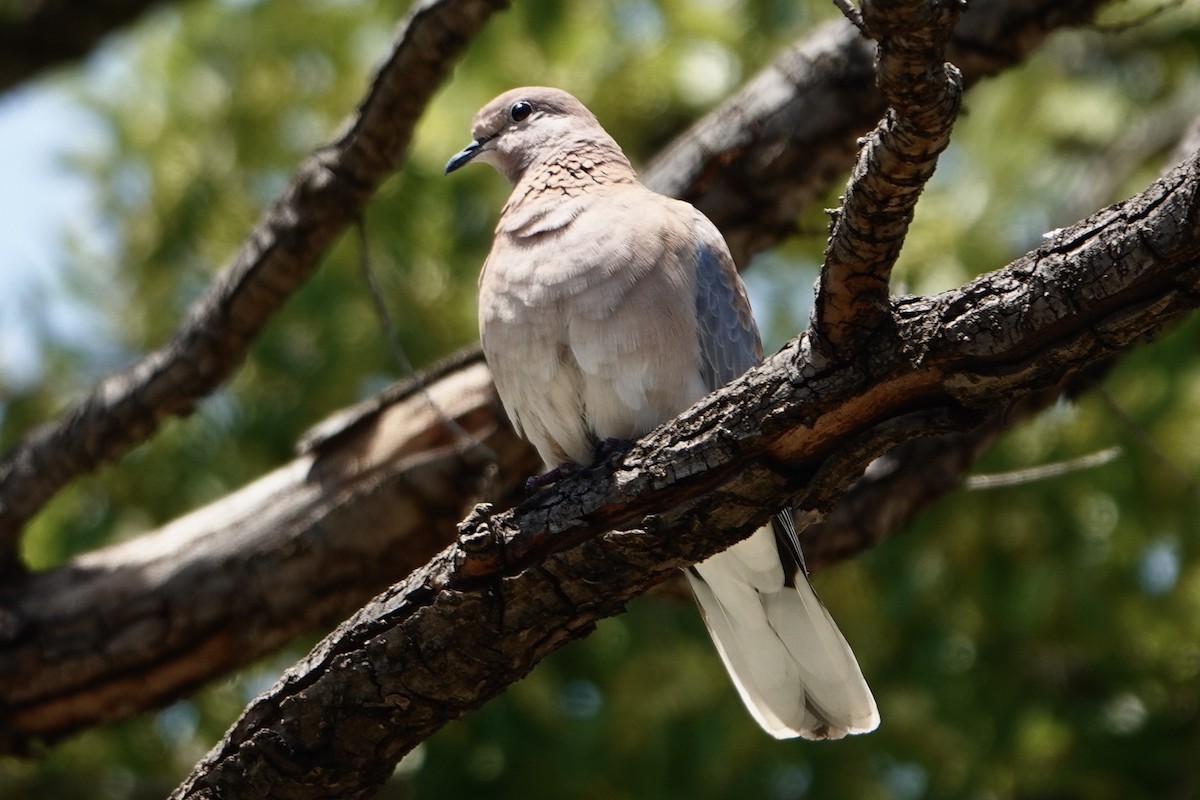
606	309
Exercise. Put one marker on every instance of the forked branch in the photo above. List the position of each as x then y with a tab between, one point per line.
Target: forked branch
895	160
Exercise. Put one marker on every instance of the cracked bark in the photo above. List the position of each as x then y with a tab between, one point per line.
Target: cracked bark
519	584
393	471
895	161
139	623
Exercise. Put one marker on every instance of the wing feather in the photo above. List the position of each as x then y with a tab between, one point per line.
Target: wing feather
729	343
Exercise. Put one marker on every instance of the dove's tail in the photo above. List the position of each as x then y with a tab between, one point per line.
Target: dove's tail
791	665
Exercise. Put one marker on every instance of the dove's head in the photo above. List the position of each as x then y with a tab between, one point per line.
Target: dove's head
531	125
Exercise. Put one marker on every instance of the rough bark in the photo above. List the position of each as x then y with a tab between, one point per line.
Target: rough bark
49	690
136	624
520	584
895	161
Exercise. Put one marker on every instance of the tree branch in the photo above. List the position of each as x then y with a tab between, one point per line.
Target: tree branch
518	585
896	487
49	691
330	187
923	93
134	625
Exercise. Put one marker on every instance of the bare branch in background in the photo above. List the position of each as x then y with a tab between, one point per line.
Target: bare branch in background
328	190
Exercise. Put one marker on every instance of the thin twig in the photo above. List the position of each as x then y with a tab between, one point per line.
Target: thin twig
1020	477
851	12
1139	20
396	348
1146	441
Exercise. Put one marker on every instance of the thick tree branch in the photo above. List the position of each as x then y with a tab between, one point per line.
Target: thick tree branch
896	487
49	690
923	93
518	585
134	625
330	187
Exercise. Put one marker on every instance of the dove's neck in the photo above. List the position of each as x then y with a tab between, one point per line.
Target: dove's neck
550	192
579	165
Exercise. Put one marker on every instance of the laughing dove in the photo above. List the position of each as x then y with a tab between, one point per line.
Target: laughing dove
606	309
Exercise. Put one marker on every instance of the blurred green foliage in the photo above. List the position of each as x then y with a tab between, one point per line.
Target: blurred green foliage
1035	641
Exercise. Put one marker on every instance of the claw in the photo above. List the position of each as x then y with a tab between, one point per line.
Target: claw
604	448
535	482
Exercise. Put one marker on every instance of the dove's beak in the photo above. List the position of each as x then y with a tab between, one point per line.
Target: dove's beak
464	156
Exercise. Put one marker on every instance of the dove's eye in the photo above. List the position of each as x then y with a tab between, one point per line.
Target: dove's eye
519	110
